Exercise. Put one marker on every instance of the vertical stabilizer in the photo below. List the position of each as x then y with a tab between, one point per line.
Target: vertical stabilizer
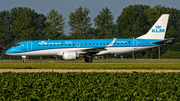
158	30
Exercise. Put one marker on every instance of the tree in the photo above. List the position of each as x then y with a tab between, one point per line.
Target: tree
80	23
37	19
1	31
54	25
1	34
104	24
39	27
6	34
23	27
131	22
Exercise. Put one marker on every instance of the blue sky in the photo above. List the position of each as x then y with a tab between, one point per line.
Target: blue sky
64	7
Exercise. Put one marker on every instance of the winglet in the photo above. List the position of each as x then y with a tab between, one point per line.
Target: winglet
110	45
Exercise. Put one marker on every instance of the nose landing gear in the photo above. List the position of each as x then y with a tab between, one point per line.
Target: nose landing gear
24	59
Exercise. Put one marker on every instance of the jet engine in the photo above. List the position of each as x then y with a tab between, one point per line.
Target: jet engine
69	55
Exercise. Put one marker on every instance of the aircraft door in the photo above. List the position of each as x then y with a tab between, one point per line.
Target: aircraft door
29	46
135	43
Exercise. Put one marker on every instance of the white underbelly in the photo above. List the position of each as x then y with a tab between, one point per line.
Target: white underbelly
110	50
122	50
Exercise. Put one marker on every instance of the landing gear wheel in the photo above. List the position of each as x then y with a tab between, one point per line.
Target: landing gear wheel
24	61
88	60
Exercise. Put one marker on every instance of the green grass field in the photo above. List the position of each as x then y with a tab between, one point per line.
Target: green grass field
155	64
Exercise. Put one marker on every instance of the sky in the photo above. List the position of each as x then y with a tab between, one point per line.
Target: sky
64	7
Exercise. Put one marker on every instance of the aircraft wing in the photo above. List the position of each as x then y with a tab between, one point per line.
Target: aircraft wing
165	40
95	50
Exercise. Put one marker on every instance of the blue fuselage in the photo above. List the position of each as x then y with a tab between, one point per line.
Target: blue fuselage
52	47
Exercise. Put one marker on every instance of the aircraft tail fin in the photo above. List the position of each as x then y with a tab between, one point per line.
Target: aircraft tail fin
158	30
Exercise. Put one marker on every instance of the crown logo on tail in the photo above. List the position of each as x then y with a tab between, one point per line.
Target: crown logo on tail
158	27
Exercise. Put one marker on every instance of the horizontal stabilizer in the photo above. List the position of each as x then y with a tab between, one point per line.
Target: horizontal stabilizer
165	40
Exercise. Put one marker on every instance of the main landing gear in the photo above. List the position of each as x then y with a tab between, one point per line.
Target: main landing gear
24	59
88	59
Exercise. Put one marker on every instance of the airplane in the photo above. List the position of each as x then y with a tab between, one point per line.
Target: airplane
88	48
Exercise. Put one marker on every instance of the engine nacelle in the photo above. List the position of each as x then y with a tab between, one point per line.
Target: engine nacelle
70	55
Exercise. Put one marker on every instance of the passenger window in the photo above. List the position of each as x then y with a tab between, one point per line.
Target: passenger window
104	43
43	44
66	44
97	43
107	43
118	43
82	44
93	44
73	44
89	43
101	43
69	44
86	43
39	45
121	43
61	44
47	44
58	44
114	43
51	45
54	44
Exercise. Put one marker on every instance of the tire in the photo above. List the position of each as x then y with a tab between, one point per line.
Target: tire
24	61
88	60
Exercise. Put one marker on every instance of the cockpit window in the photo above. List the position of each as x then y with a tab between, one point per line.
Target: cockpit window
17	45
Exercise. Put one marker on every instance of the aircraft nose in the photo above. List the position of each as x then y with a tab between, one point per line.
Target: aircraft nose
9	51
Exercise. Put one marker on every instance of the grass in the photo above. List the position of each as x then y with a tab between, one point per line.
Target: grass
148	64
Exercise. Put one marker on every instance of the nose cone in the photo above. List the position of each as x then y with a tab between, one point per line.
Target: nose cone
9	51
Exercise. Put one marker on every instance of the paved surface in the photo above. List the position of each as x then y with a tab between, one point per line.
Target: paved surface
82	70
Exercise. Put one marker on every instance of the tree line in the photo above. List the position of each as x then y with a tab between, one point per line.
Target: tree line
22	23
